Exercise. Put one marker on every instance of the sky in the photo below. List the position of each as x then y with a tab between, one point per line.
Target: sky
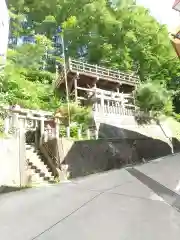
162	11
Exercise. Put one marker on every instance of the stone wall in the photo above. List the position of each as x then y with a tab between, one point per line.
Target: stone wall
121	141
87	157
13	164
114	126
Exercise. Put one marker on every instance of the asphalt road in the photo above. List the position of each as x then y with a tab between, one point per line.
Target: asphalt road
126	204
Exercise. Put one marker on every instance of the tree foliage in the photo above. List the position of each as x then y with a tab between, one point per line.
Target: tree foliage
79	115
24	84
154	97
118	34
122	35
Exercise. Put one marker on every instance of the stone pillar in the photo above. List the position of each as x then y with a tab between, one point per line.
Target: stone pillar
122	100
37	135
102	102
88	134
42	130
96	134
15	123
22	155
79	133
57	128
6	125
68	132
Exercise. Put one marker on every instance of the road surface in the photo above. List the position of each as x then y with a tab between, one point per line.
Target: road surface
134	203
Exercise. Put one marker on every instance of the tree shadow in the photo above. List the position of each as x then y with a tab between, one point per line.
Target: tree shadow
115	148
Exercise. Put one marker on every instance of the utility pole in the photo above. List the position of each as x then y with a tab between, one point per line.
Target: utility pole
65	76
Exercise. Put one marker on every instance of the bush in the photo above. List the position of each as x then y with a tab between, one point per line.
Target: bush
78	114
177	117
73	130
154	97
39	76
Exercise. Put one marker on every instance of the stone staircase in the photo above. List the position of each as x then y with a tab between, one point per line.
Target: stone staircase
37	171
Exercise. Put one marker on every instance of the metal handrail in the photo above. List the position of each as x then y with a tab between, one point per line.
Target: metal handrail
51	154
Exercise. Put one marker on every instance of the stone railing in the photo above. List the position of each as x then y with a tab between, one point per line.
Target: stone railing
116	110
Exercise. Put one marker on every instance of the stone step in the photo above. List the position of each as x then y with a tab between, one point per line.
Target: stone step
34	177
39	172
36	160
39	178
49	179
38	163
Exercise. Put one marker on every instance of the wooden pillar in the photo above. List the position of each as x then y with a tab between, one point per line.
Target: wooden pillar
75	88
96	107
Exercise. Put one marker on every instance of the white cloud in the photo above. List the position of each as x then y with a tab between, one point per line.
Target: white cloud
162	10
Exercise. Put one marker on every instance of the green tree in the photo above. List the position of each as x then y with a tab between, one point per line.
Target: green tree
154	97
118	34
20	86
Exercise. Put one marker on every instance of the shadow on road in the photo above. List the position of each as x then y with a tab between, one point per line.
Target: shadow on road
169	196
7	189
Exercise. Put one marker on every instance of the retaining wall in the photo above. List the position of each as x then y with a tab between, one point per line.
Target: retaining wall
9	162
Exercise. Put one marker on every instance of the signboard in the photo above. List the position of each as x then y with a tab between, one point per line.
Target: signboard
4	31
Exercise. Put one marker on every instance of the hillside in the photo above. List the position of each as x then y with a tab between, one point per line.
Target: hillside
111	35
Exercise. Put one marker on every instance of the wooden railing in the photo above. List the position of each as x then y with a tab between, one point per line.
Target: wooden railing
108	96
102	72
